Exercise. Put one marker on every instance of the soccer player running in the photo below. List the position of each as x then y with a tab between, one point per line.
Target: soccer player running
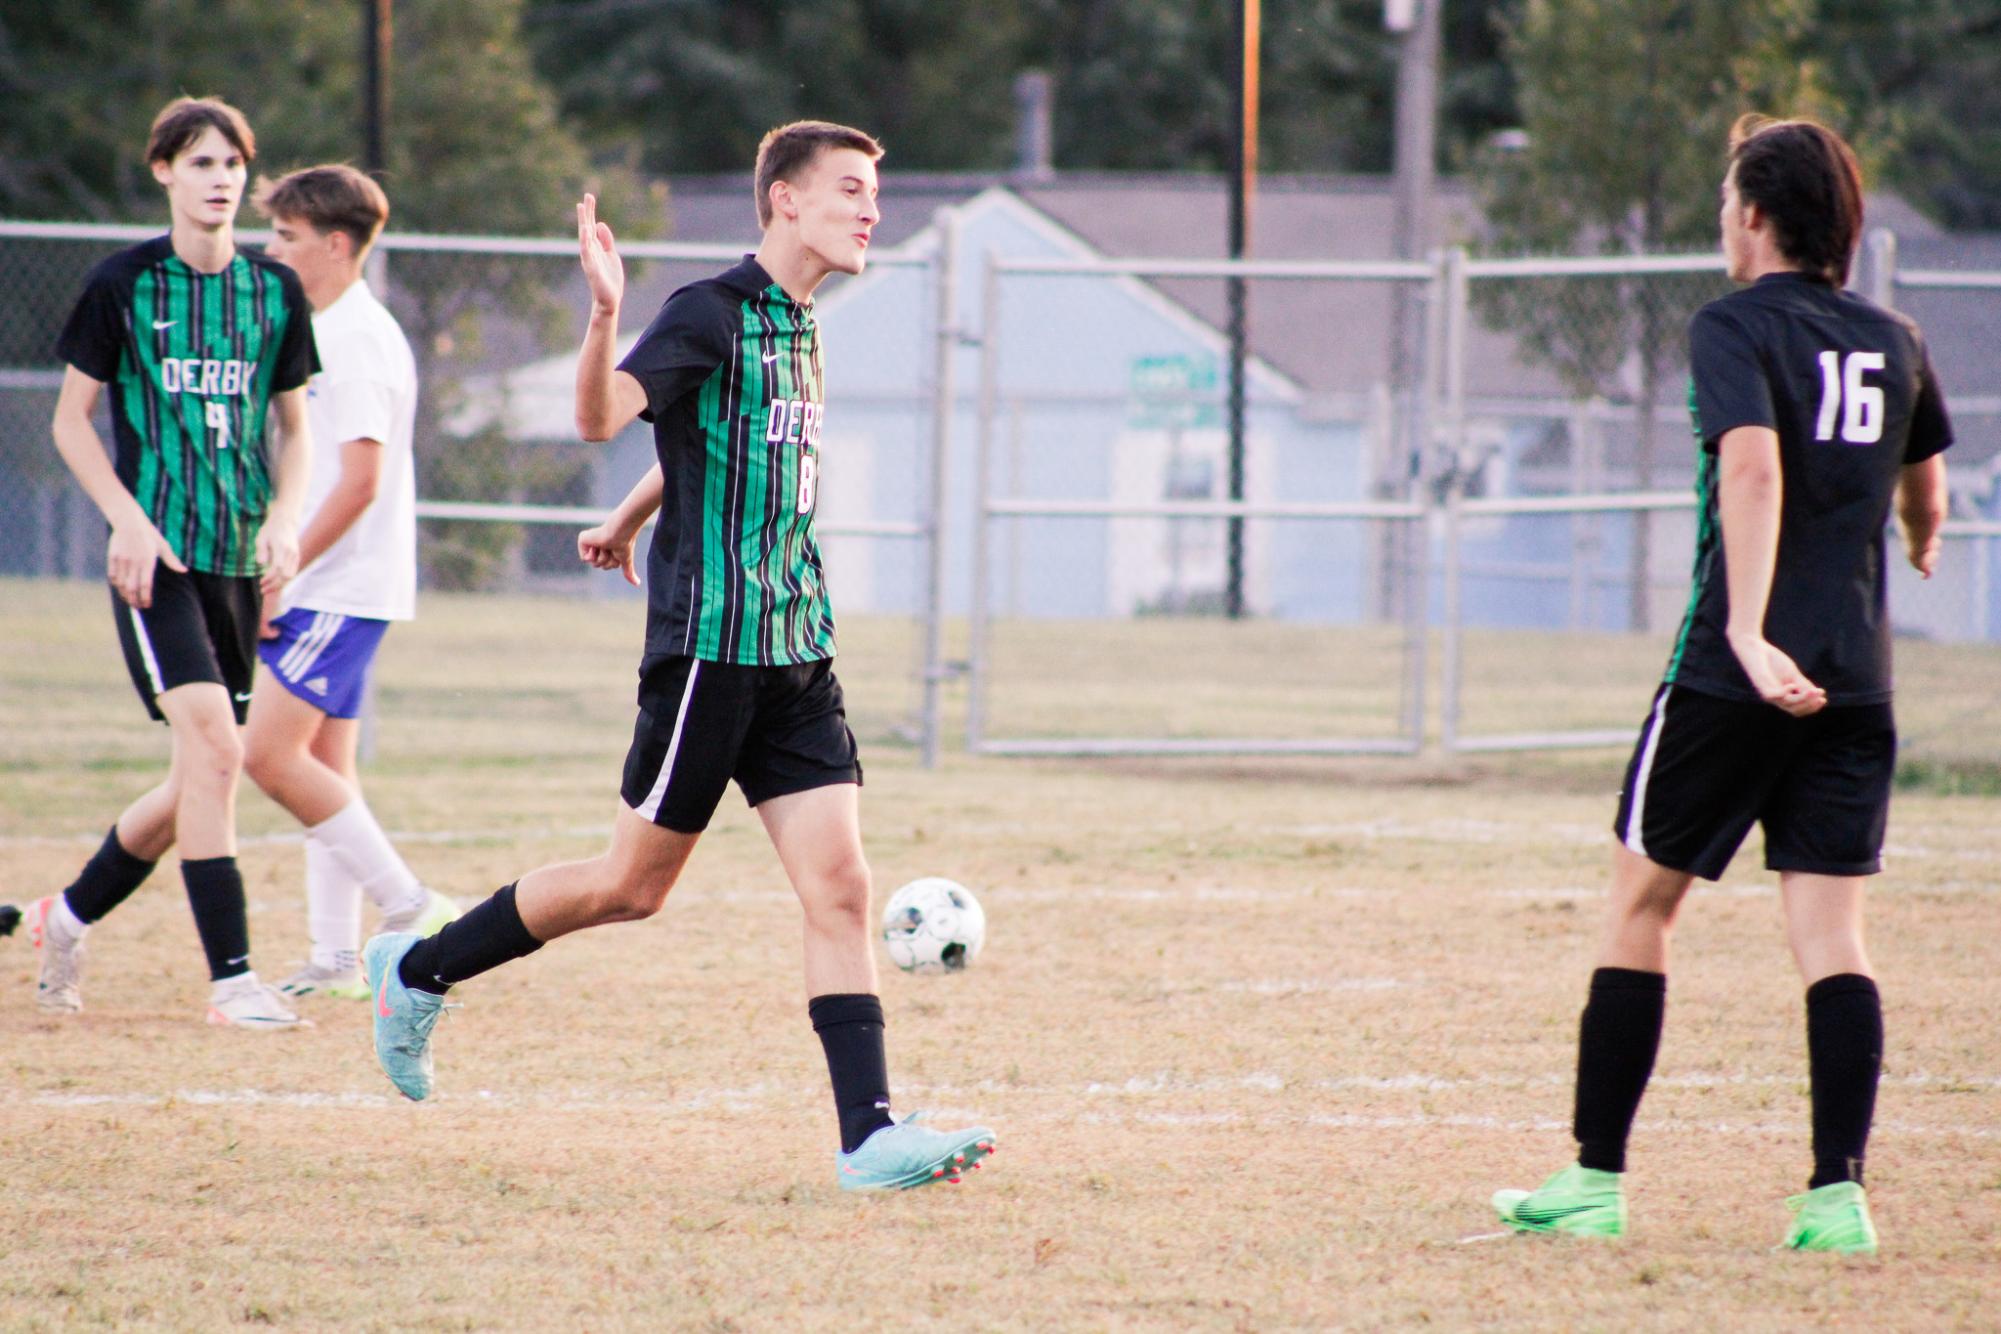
1817	413
736	681
198	342
357	573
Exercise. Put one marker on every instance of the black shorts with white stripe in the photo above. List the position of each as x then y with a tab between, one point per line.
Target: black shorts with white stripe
1706	769
775	730
201	627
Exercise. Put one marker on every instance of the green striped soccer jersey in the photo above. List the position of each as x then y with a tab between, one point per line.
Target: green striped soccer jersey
732	372
191	361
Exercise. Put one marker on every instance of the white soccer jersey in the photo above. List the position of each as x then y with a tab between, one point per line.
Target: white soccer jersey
366	390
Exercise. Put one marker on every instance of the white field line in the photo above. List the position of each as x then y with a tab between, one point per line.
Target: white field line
1094	1102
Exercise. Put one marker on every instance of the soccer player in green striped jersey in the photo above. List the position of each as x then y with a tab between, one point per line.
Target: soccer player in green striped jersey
737	679
201	347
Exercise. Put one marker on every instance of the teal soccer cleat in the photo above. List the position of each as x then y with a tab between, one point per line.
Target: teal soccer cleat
404	1017
900	1156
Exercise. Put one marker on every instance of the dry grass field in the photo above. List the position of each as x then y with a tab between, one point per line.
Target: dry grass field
1258	1038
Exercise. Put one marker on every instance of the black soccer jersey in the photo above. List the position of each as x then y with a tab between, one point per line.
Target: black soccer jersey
732	372
1849	389
192	360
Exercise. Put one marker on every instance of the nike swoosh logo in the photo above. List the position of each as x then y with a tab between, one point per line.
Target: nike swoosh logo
382	1000
164	324
771	356
243	698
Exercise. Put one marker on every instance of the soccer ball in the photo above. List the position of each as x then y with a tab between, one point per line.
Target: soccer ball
933	926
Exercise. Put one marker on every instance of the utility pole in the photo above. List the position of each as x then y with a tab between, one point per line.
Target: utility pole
377	31
1401	465
1243	184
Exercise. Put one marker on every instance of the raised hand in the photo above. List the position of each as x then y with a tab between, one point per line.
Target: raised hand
603	269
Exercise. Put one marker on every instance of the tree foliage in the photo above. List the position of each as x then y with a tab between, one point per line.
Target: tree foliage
1625	108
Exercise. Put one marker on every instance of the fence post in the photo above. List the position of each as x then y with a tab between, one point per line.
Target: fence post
976	628
1457	297
942	406
1417	531
1883	267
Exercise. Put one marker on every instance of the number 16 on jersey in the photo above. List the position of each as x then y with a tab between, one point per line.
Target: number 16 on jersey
1843	394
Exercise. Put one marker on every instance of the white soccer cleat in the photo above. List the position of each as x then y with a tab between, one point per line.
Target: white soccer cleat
341	981
56	989
245	1002
427	918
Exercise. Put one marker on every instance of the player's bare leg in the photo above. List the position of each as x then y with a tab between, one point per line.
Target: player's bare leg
279	744
1640	915
628	882
818	837
410	975
817	834
303	759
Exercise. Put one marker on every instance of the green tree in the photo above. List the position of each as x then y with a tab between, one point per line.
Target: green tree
1625	108
474	145
1923	82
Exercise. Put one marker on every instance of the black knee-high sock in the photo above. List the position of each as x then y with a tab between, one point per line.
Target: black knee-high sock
850	1028
1617	1041
215	892
1844	1043
487	937
106	881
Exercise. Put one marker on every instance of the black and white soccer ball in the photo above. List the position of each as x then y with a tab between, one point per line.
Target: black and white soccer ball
933	925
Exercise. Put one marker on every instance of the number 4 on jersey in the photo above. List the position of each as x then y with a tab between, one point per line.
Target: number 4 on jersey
1844	395
218	419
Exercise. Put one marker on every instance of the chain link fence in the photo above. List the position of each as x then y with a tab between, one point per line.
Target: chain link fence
1107	546
1497	449
502	480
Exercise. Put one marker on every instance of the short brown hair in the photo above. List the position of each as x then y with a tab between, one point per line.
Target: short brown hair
790	149
1804	178
333	198
182	121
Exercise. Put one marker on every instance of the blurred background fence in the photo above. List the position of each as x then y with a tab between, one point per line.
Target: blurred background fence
1465	514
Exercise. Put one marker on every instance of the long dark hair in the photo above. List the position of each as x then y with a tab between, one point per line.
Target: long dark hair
1804	178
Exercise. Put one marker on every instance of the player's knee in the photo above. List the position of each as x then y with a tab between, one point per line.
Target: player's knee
631	898
215	756
839	899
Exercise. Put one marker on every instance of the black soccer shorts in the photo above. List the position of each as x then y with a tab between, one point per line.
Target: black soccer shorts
775	730
1706	768
201	627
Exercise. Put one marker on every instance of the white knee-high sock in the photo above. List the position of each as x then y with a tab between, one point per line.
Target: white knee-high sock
333	906
364	852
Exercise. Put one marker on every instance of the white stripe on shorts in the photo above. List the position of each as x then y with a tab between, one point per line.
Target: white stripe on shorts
146	650
299	659
651	806
1636	816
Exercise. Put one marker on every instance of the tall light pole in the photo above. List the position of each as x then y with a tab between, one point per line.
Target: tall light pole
1243	184
378	29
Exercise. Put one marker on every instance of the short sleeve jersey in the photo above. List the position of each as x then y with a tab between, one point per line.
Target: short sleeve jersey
191	361
1849	389
367	390
732	372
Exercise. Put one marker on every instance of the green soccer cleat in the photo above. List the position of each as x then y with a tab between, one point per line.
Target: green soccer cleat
404	1017
340	980
903	1155
1579	1200
1832	1218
